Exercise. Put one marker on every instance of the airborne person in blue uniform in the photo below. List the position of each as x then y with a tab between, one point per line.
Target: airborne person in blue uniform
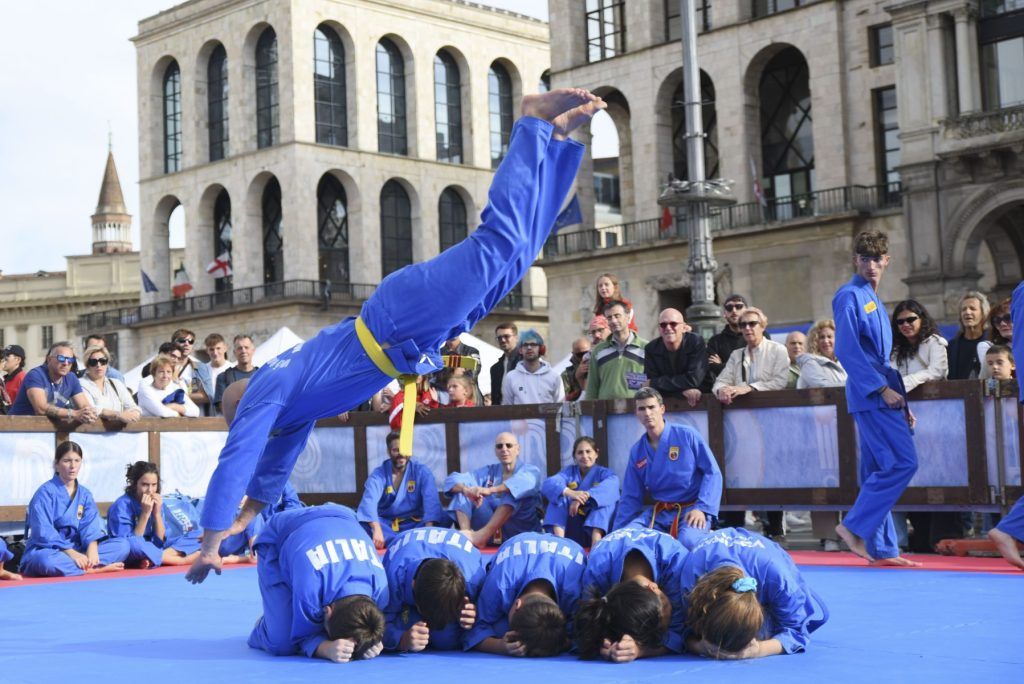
402	325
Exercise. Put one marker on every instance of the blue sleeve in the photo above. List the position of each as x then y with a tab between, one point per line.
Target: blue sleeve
710	496
632	499
90	528
491	617
431	501
787	603
74	386
372	491
34	380
526	481
862	377
203	373
44	534
464	479
606	492
554	485
394	626
119	518
289	498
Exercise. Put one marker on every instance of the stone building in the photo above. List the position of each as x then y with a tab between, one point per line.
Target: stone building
845	113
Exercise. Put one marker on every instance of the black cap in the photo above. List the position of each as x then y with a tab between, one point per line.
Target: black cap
14	349
735	298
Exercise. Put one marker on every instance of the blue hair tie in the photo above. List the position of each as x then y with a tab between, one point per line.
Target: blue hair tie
744	584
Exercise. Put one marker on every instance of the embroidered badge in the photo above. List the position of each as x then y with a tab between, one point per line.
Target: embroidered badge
411	486
573	485
641	463
673	453
389	490
869	307
81	511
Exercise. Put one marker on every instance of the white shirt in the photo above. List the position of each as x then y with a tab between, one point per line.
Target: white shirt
764	368
543	386
114	396
151	402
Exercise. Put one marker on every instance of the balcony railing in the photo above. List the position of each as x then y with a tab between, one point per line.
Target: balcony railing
984	123
862	199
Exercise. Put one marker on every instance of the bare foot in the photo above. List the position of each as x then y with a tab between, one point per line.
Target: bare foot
146	564
99	570
897	561
10	576
855	543
1007	547
574	118
232	559
547	106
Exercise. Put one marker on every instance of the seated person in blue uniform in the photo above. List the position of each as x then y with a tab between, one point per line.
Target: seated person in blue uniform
403	324
1010	529
674	466
499	500
434	578
6	555
139	516
531	591
322	586
65	530
581	497
398	495
634	609
745	598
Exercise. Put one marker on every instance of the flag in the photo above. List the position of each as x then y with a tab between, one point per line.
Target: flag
571	215
221	266
147	283
666	220
758	193
181	282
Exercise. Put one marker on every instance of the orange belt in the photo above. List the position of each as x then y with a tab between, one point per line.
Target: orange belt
660	506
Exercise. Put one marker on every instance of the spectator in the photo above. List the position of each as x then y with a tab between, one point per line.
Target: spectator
109	397
796	341
965	357
581	497
499	500
617	368
217	350
52	390
399	494
533	380
165	398
243	368
95	340
571	383
165	349
608	291
461	391
1000	331
599	332
1000	363
918	350
761	365
507	337
455	347
676	364
426	399
189	373
12	365
722	345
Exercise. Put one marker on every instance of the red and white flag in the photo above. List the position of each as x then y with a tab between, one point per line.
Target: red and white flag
758	192
182	284
221	266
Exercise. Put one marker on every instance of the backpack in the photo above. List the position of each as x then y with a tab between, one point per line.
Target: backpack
183	518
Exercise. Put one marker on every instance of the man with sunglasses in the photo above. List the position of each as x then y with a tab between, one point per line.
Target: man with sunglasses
676	363
721	346
188	373
52	390
572	382
533	380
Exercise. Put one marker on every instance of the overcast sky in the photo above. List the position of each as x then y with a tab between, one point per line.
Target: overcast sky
68	77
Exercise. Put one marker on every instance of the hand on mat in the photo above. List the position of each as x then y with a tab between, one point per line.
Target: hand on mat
513	646
79	559
202	566
751	650
622	651
415	638
373	651
337	651
696	518
468	616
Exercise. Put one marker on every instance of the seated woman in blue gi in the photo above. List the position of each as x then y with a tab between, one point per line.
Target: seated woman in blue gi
581	497
65	536
434	578
499	500
6	555
531	591
138	516
635	608
674	466
398	495
745	598
322	586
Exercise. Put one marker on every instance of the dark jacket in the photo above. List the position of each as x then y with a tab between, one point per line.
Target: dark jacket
962	356
671	373
498	374
723	344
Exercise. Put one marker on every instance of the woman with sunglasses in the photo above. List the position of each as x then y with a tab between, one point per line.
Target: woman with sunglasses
110	397
918	350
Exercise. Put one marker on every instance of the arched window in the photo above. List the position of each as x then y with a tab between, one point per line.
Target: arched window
390	99
707	96
395	228
787	145
329	87
499	100
273	240
172	118
222	237
266	90
332	230
217	102
447	108
452	218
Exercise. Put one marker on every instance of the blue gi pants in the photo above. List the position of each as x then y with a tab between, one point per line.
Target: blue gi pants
1013	523
56	563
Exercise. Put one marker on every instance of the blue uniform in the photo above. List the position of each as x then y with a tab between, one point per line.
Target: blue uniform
5	553
416	502
520	560
408	550
1013	523
240	543
603	485
888	458
523	496
791	608
413	311
309	558
682	471
57	522
665	555
123	515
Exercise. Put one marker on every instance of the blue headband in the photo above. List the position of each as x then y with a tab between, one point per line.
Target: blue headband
744	584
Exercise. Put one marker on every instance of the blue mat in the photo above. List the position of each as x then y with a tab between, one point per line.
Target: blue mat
889	625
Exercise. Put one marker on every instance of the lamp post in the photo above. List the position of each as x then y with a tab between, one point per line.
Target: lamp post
691	198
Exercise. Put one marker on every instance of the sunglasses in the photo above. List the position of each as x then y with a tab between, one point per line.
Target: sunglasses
64	359
999	320
92	363
185	340
909	320
735	307
749	324
669	324
529	344
507	445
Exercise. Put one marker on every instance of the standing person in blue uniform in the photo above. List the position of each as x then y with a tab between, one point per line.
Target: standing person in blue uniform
138	515
531	591
877	400
6	555
322	586
434	579
581	497
65	531
745	598
496	501
673	465
398	495
1010	529
635	607
402	325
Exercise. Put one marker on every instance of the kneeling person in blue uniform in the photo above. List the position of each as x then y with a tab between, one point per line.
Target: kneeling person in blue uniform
322	586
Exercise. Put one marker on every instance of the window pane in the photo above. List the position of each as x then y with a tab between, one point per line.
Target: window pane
266	90
329	87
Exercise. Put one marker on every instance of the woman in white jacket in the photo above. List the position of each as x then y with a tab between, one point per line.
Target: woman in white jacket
918	350
165	398
761	365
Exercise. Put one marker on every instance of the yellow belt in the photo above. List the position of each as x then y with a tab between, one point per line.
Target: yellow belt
407	381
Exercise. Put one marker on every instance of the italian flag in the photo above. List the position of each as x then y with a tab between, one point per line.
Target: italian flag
181	282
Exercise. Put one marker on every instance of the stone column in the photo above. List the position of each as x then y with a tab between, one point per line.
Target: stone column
967	74
937	68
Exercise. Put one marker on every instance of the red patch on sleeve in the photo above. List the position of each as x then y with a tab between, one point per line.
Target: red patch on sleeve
641	463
